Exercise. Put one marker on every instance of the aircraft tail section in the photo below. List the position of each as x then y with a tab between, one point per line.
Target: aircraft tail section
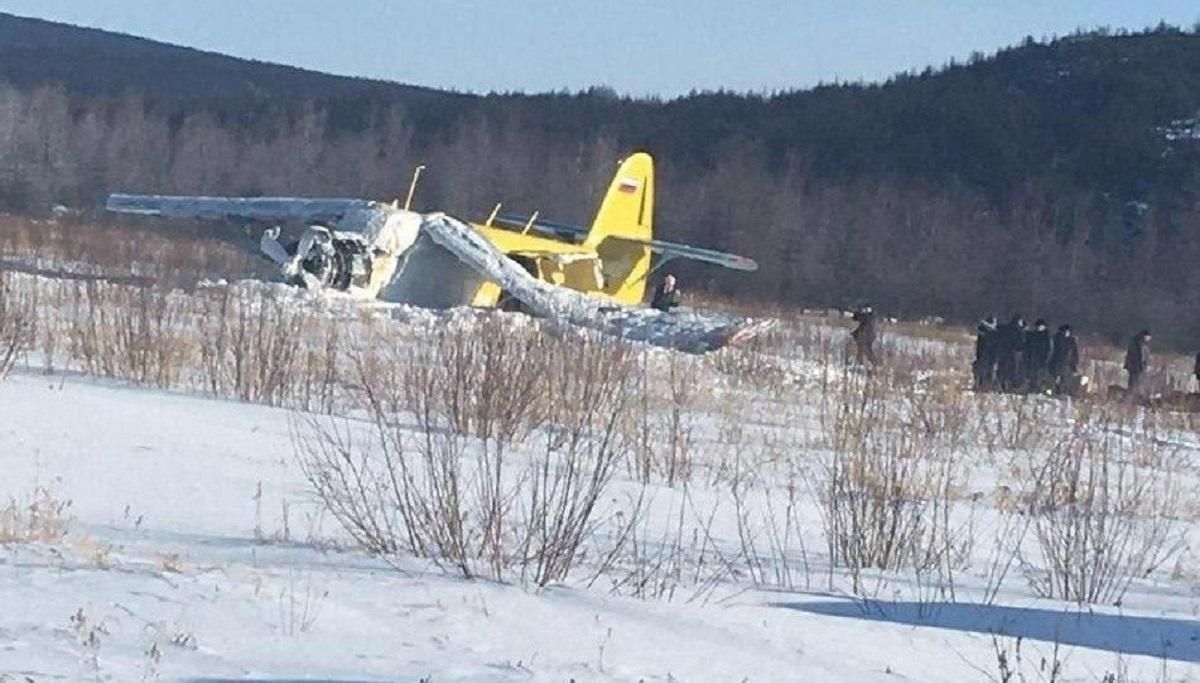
623	227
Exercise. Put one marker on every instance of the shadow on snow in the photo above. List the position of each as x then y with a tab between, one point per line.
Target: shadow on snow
1160	637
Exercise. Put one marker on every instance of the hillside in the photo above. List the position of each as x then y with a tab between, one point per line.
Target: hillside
1058	179
91	62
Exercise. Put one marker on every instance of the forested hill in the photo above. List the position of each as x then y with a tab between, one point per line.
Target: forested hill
92	62
1061	179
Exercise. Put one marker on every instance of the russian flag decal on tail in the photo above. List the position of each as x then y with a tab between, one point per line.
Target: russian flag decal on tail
629	185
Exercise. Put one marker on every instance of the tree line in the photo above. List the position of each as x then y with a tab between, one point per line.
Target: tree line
1057	179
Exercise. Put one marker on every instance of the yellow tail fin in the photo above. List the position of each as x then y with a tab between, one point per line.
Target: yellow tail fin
627	211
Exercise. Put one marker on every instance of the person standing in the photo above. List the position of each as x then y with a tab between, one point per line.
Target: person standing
1196	371
1137	360
1064	361
864	335
666	296
1037	357
984	366
1010	345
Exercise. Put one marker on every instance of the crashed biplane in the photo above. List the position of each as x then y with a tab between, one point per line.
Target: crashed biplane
595	277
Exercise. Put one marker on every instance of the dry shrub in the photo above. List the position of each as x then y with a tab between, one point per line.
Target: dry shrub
483	476
771	546
1016	422
131	333
18	321
1103	503
258	345
751	364
250	346
486	382
666	419
41	517
174	254
891	478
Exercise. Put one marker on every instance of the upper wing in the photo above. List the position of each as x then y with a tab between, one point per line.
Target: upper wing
246	208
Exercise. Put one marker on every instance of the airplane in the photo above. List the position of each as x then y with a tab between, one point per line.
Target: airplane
380	250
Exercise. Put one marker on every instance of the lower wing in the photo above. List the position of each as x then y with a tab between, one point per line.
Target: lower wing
244	208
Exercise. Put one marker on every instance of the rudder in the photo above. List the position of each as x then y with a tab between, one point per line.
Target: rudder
627	211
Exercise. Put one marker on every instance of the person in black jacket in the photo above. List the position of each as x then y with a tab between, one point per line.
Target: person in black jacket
984	367
666	296
1037	357
1064	361
1137	360
1196	371
1010	345
864	335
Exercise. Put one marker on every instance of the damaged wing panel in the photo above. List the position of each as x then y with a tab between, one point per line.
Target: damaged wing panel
687	332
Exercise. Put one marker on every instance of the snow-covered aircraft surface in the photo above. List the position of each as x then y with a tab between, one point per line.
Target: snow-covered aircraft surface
594	277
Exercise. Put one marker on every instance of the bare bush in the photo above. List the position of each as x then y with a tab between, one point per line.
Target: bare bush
665	422
131	333
487	382
1103	503
250	346
448	471
18	321
891	479
771	546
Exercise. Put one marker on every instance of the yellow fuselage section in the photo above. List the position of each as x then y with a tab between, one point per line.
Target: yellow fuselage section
613	259
552	261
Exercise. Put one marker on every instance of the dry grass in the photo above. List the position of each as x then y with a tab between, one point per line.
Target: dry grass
18	322
39	517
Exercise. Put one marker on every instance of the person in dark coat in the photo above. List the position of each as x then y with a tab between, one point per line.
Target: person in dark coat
864	335
666	296
1010	345
984	367
1137	360
1036	355
1064	360
1196	371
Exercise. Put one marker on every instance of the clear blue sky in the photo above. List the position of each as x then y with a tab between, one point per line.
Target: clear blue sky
639	47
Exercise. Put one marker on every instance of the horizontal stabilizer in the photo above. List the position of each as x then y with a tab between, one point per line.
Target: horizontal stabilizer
720	258
248	208
668	249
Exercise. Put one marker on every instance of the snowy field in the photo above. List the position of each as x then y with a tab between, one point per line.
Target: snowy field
172	508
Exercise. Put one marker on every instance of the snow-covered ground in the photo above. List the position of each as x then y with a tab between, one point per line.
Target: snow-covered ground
195	550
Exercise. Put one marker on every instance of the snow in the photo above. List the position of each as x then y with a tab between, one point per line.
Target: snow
155	475
195	552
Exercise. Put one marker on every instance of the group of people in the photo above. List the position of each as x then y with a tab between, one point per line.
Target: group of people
1013	358
1009	357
